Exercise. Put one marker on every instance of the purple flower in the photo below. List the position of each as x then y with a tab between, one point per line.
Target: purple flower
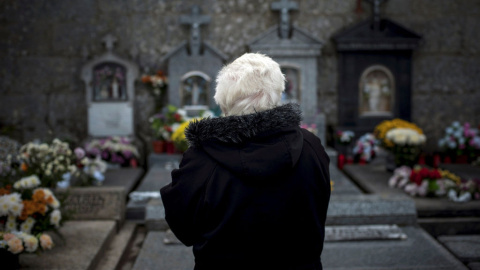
79	152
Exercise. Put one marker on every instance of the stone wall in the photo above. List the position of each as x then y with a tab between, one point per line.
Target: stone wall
44	44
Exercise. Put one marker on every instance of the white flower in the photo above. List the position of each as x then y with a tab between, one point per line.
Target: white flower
31	243
11	224
4	205
27	225
55	218
16	208
27	182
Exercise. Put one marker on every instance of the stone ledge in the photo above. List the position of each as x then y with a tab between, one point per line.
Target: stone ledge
84	246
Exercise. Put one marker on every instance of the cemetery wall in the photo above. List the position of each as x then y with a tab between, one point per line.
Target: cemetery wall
44	43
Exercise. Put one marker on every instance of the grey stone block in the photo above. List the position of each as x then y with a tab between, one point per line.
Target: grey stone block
155	216
95	203
465	247
156	255
418	251
370	209
82	247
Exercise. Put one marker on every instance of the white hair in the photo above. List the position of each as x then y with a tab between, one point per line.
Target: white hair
252	83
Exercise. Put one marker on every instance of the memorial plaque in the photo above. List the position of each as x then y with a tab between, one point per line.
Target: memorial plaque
363	232
96	203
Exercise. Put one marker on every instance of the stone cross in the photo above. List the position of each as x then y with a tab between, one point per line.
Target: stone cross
284	6
109	41
195	20
376	12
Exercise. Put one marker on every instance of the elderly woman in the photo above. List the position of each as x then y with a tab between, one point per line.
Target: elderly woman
252	190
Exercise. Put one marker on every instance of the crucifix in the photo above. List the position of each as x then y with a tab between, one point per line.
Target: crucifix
109	41
195	20
284	6
376	13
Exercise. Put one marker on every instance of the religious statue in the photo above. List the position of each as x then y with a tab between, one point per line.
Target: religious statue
376	86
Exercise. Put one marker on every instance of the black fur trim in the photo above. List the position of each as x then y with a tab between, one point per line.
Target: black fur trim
237	129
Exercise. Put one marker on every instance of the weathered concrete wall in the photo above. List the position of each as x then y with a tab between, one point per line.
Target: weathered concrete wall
42	43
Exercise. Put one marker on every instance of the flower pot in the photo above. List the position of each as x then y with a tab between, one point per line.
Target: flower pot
158	146
170	147
461	159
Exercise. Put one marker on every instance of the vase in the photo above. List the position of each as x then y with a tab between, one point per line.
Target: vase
9	260
170	147
158	146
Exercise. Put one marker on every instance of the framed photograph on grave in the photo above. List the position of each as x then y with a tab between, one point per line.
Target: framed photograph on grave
292	84
376	91
195	87
109	82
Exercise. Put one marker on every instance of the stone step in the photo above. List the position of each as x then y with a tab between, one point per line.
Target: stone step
416	250
465	247
117	247
84	245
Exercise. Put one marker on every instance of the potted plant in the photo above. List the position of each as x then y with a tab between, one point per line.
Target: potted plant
163	125
403	145
460	143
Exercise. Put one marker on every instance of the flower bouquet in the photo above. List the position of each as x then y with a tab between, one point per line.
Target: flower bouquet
407	145
55	165
163	125
422	182
403	139
178	136
344	137
460	140
27	211
157	84
365	147
116	151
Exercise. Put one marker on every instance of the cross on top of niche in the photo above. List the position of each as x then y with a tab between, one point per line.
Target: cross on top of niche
109	41
284	6
376	11
195	20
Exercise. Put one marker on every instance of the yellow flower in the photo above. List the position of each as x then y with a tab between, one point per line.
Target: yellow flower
178	137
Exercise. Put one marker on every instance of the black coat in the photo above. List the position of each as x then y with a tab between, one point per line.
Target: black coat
251	192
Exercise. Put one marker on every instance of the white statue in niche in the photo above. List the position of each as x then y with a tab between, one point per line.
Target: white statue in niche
376	91
291	93
195	89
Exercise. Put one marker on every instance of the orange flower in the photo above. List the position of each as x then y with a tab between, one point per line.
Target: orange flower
39	196
146	79
160	73
5	190
24	167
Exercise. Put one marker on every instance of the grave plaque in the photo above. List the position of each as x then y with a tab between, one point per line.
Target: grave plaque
96	203
374	67
297	54
192	66
110	93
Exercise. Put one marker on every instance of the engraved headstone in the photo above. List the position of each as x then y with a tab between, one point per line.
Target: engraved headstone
110	93
193	66
297	53
96	203
375	72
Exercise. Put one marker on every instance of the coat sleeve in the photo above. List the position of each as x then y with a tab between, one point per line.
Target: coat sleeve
183	197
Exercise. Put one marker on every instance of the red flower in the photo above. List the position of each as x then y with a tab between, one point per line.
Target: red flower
177	117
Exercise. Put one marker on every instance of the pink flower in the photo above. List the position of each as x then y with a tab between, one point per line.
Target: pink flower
46	241
79	152
15	245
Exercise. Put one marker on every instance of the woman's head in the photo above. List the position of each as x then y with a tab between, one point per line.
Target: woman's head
252	83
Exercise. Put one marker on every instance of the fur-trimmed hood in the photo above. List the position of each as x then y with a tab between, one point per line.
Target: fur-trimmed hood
258	145
238	129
